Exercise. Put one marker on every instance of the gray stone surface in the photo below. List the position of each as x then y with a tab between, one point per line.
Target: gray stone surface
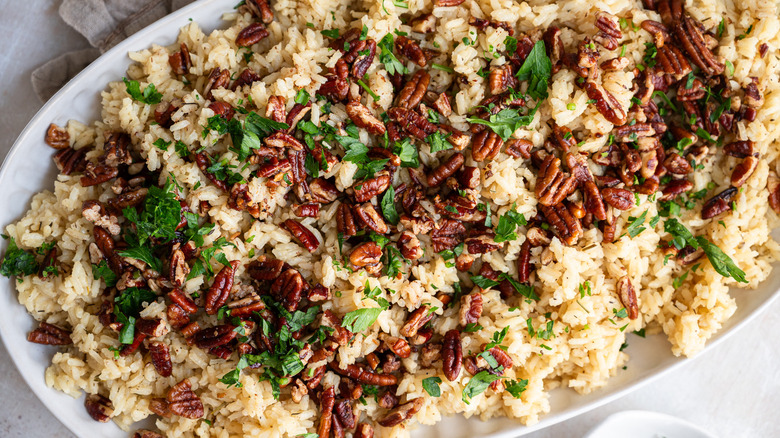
733	390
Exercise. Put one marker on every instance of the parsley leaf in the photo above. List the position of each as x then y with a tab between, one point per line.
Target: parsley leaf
360	319
516	387
507	223
388	206
386	56
101	270
431	386
477	385
149	96
484	282
127	307
17	262
635	227
438	142
407	153
721	262
523	289
537	69
505	122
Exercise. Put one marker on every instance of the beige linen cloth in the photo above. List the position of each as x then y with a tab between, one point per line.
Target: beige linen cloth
104	23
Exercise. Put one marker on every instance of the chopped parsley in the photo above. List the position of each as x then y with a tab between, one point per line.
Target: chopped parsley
149	95
388	58
431	386
360	319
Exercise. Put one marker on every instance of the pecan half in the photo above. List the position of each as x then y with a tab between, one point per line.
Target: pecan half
283	140
412	122
180	61
566	226
416	321
402	412
411	50
219	292
265	269
48	334
739	149
364	119
690	34
409	246
677	165
98	174
368	256
57	137
251	34
501	79
215	336
552	184
469	177
143	433
368	216
446	169
718	204
627	296
621	199
345	220
183	402
327	401
413	91
486	145
470	308
364	430
288	288
675	188
606	103
218	78
203	162
371	187
152	327
322	191
178	268
261	9
362	375
69	160
302	234
743	170
98	407
452	355
161	358
447	3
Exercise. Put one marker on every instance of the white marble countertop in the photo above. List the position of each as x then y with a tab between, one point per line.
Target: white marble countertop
733	390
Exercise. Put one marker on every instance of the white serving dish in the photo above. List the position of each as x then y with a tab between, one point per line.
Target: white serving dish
646	424
28	169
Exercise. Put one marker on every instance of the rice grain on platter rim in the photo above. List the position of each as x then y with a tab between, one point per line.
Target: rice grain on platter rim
295	56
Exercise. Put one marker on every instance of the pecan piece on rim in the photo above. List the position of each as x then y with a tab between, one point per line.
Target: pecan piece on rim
219	292
98	407
57	137
183	402
452	355
627	296
402	412
261	9
302	234
48	334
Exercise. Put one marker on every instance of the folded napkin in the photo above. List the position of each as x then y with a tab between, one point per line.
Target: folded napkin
104	23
